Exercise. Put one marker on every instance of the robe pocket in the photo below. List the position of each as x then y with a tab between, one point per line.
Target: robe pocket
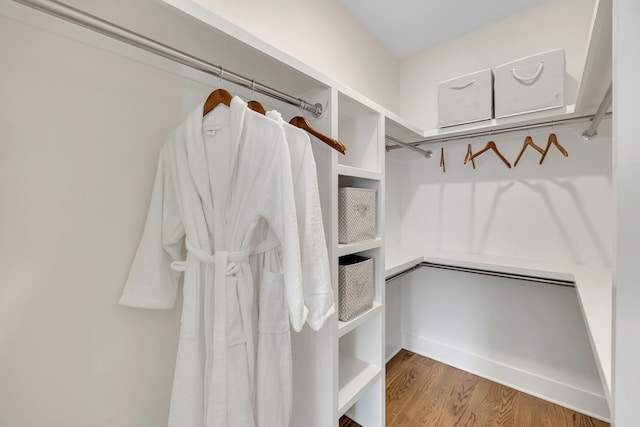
273	315
190	306
235	329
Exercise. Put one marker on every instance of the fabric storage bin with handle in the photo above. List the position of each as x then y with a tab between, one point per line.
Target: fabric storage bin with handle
530	84
356	214
466	99
355	286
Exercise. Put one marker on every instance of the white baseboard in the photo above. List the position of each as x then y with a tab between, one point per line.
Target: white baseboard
563	394
390	351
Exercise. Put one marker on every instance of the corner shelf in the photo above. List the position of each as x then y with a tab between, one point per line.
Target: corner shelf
346	327
566	112
400	259
593	287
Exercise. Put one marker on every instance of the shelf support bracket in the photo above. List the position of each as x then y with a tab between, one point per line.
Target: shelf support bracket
602	110
428	153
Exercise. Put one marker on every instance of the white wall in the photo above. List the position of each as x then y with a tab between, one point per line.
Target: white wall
555	24
81	131
529	336
393	202
83	120
324	35
626	321
561	209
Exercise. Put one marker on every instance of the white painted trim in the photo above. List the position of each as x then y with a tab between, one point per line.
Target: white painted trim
563	394
390	351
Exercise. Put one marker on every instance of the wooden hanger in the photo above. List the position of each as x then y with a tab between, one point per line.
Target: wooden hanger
528	142
304	124
217	97
442	160
257	107
553	140
492	146
469	156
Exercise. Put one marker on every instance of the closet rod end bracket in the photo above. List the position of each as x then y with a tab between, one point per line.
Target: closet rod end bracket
586	135
318	110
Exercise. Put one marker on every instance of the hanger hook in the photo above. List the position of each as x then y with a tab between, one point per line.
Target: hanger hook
303	106
220	77
253	87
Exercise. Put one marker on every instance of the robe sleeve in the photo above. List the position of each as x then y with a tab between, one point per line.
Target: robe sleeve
151	282
316	276
280	213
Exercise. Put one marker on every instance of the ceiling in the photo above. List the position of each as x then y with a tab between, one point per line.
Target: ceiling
409	26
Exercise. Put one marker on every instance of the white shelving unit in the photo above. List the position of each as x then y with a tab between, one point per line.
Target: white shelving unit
339	369
360	341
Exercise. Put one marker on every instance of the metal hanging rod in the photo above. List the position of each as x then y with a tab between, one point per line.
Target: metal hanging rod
471	134
428	153
78	17
515	276
602	110
545	280
402	273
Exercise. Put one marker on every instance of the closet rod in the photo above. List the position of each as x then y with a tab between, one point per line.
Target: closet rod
545	280
78	17
436	139
428	154
402	273
602	109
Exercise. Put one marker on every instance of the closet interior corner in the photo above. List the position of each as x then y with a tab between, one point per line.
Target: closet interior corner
503	268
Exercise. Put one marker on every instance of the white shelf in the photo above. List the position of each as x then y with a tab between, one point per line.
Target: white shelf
355	376
354	172
397	260
399	128
595	293
529	119
352	248
346	327
593	288
510	265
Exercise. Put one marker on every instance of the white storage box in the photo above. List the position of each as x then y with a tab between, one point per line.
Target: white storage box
356	214
530	84
355	286
466	99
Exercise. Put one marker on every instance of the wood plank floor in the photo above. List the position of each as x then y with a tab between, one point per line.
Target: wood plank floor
423	392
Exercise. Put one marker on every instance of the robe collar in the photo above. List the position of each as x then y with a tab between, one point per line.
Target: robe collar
201	171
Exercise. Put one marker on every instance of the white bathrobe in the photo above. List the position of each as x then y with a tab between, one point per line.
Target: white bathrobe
273	370
217	180
316	276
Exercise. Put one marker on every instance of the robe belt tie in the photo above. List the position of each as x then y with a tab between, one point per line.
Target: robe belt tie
226	264
215	326
232	258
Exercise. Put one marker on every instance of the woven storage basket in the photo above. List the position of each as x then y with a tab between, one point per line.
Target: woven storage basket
356	214
355	286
